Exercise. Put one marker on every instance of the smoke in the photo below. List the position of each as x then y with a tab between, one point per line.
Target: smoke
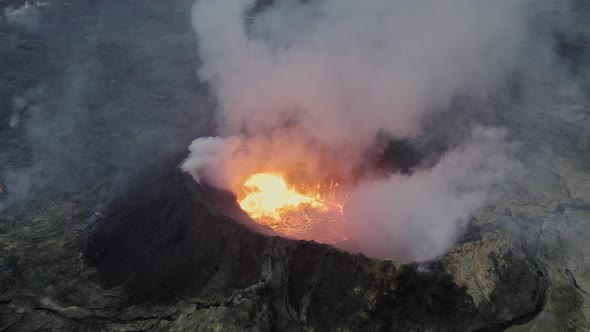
85	97
337	67
314	85
25	15
420	216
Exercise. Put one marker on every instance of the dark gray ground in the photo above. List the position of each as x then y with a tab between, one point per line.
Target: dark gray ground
99	230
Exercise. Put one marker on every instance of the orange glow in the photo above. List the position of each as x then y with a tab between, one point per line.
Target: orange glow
298	213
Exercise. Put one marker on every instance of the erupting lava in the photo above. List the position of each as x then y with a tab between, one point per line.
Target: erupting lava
298	213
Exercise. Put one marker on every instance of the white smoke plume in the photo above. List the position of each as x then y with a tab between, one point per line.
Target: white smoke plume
420	216
314	83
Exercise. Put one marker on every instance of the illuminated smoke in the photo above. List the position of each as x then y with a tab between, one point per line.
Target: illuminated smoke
313	85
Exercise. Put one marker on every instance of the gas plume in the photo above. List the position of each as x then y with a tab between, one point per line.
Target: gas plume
315	85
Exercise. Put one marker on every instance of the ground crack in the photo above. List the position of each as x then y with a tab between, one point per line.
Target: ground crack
573	280
57	312
526	317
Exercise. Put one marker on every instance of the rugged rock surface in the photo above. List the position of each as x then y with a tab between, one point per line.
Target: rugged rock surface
162	259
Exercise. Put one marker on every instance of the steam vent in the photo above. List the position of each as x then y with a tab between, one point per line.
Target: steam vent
290	165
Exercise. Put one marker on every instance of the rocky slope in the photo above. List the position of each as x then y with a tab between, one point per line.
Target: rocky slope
161	259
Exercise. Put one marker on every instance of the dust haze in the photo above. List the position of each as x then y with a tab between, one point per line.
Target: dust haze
85	109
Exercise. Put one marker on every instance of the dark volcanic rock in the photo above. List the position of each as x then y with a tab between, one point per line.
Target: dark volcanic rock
161	241
164	243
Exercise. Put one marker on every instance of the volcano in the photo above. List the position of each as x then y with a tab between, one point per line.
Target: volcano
167	241
102	228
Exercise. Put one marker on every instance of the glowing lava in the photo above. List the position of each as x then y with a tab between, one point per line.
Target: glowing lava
302	214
